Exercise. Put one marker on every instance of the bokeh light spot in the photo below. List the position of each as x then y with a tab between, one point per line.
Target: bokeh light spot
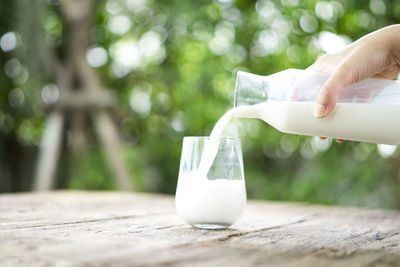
50	94
12	68
6	123
9	41
386	150
150	46
120	24
319	145
96	56
308	23
133	5
330	42
114	6
140	100
378	7
126	55
16	98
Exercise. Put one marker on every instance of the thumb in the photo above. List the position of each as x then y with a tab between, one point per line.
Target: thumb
327	96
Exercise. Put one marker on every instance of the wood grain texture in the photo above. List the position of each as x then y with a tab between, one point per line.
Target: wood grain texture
125	229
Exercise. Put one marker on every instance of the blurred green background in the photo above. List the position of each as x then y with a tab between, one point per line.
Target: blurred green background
172	65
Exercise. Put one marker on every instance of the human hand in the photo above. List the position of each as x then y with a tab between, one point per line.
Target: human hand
376	55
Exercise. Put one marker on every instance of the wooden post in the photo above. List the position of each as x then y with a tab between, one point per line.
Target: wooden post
114	153
81	84
49	151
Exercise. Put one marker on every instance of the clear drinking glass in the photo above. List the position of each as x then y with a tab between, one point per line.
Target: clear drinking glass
217	200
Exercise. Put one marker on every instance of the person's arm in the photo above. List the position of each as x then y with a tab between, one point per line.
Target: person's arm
375	55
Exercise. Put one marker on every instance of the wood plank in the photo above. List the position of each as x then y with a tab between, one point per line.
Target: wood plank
119	229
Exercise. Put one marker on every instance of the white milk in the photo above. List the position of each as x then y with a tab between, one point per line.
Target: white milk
365	122
219	202
203	201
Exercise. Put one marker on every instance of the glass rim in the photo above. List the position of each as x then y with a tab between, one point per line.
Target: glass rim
207	137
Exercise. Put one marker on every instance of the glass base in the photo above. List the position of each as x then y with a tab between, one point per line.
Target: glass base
211	226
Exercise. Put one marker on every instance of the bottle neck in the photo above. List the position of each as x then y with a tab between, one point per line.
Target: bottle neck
250	89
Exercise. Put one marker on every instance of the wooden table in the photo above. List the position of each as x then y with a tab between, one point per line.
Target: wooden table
123	229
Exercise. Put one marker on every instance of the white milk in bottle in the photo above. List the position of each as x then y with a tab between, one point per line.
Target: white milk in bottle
367	111
365	122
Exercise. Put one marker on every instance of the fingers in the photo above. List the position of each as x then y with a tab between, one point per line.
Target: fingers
326	100
330	91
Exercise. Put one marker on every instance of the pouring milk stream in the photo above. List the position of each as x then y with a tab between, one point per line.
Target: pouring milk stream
367	111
